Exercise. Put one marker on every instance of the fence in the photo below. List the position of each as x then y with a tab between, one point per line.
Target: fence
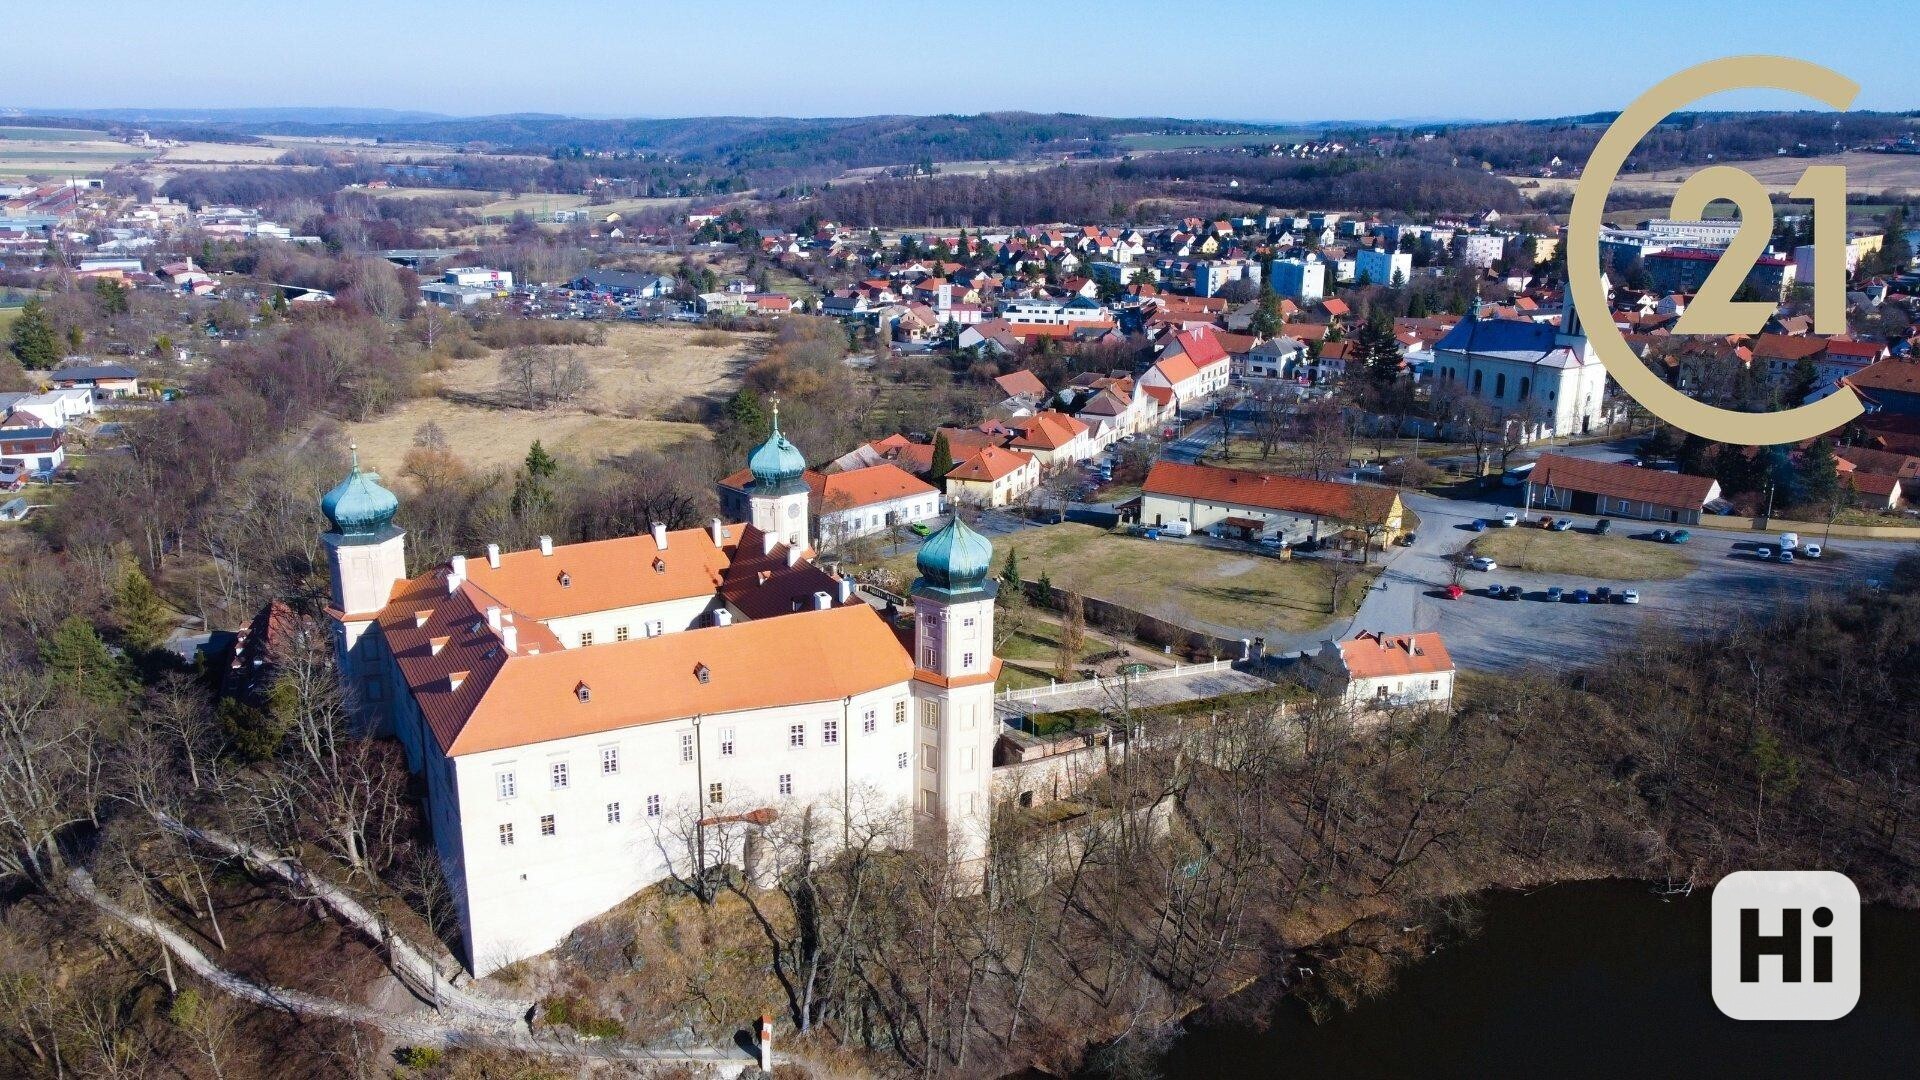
1810	528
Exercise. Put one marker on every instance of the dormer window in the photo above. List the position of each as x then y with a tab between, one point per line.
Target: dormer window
659	565
583	692
702	672
434	646
566	580
420	617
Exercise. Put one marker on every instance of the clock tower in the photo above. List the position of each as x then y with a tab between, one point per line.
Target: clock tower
778	499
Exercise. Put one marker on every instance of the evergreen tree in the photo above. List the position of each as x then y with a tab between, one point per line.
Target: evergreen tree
137	608
540	464
34	343
1378	353
81	664
1805	379
1010	587
1266	321
1895	250
1819	474
942	456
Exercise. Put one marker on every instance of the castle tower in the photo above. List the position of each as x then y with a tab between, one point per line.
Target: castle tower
778	501
366	557
954	673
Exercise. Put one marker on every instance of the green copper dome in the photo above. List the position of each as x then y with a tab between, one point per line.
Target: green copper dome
358	505
955	559
776	462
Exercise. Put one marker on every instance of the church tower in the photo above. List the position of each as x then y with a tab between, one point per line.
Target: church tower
954	673
1572	335
778	500
366	558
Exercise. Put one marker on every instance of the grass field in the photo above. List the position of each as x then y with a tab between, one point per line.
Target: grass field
60	152
1582	554
49	134
7	317
1184	584
645	378
1866	173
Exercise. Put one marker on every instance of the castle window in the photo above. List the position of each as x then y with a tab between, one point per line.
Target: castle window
613	813
786	783
559	775
686	746
659	565
583	692
966	659
716	794
546	825
900	711
796	736
901	761
653	806
619	633
586	638
609	760
830	732
702	672
506	835
726	742
503	783
868	722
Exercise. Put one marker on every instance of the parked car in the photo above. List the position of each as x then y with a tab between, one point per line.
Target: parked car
1789	541
1481	562
1603	595
1629	596
1495	592
1514	592
1812	551
1479	525
1563	524
1176	528
1554	593
1509	520
1680	536
1662	536
1764	551
1455	592
1600	527
1582	596
1786	556
920	528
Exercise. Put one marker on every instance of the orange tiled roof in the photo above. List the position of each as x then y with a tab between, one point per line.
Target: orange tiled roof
865	487
1655	486
603	574
1270	491
991	463
1372	655
1049	430
1016	383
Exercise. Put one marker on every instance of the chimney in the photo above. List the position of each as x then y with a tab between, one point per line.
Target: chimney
767	543
510	637
493	556
822	601
546	545
493	617
722	617
457	568
660	535
846	589
719	529
793	554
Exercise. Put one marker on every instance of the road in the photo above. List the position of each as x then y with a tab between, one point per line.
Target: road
1492	635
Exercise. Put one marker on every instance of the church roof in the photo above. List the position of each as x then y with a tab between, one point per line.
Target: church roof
1511	339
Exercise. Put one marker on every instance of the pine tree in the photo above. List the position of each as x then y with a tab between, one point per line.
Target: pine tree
81	664
1266	321
540	464
34	343
1378	353
1819	474
942	456
1010	576
137	608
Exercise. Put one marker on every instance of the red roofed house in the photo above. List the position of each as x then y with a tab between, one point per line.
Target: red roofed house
861	502
1053	437
1193	365
1375	670
1291	508
993	476
1609	490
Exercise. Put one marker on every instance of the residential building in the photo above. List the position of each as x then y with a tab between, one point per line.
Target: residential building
1581	486
1304	280
104	380
861	502
1375	670
993	476
1193	365
1382	266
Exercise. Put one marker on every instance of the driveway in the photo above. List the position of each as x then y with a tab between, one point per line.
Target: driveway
1495	635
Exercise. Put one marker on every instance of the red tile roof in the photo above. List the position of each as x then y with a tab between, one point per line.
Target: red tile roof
1271	491
1655	486
1373	655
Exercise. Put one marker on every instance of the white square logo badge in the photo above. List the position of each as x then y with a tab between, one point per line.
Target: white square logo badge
1786	945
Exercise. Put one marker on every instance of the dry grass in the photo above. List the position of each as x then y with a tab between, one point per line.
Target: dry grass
212	153
651	383
1582	554
1866	173
1185	584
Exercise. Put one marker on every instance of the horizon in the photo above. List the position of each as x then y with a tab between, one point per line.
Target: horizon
591	59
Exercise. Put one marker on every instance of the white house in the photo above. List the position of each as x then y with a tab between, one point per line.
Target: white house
1192	365
861	502
1382	266
1376	670
1546	380
590	719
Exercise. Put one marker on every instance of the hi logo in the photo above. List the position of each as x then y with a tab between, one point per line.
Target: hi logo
1786	945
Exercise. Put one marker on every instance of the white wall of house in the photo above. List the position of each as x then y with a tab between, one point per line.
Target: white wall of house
876	517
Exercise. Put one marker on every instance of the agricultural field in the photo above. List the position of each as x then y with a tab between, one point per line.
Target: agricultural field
1868	174
649	380
26	151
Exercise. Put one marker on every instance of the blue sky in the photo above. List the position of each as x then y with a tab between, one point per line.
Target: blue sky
1362	59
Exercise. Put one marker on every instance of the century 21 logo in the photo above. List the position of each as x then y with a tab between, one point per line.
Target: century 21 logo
1714	311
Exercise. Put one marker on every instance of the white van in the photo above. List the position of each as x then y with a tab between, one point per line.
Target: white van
1789	541
1176	528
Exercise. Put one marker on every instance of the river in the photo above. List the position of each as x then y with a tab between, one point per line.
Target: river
1581	979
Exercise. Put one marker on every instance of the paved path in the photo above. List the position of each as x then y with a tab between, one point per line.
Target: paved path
1113	694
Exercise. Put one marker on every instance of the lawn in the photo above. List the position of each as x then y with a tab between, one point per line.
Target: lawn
50	134
1614	557
1225	592
651	383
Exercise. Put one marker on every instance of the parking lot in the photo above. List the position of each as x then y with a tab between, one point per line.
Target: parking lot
1731	581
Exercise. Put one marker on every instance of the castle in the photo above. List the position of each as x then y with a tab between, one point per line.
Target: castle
577	711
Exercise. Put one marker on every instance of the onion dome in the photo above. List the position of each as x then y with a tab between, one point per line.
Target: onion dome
776	462
358	505
955	559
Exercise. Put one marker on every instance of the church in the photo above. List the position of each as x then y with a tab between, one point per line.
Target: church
1541	381
590	719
